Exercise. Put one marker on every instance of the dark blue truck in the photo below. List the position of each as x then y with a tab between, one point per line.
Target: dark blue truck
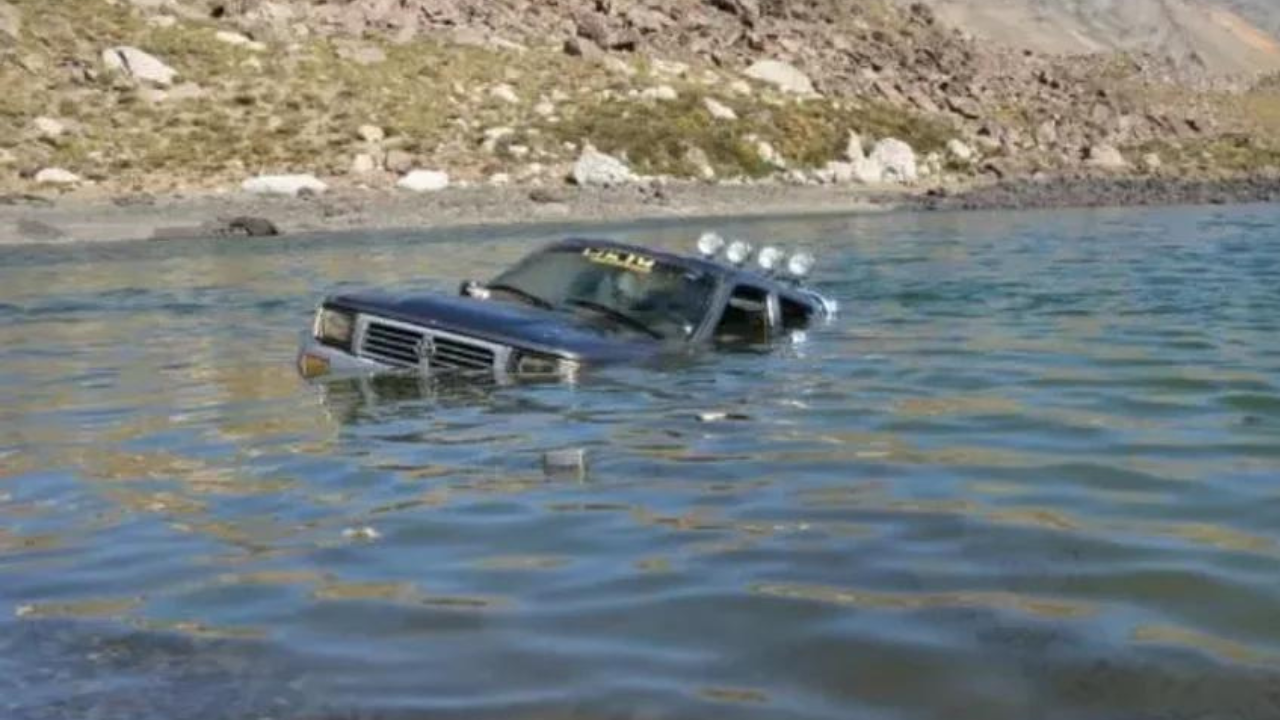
575	303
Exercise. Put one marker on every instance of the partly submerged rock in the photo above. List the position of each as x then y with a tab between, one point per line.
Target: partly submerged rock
596	169
139	65
424	181
784	76
249	226
290	185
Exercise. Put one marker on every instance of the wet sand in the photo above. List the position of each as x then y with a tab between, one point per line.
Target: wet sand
52	219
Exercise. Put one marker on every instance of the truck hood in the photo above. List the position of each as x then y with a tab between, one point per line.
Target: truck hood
524	327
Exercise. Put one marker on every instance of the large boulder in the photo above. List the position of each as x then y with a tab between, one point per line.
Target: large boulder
596	169
867	171
897	160
290	185
139	65
421	181
784	76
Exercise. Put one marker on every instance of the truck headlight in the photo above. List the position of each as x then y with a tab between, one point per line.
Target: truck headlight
334	327
545	365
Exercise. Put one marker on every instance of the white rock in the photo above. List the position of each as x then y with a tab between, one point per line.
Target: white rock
701	163
238	40
10	21
505	93
868	171
596	169
546	108
57	176
162	21
668	68
839	173
719	110
617	65
897	159
424	181
186	91
1106	157
853	151
768	154
932	165
493	136
291	185
1152	161
665	93
139	65
48	127
518	151
7	157
739	87
371	134
363	164
499	179
784	76
959	150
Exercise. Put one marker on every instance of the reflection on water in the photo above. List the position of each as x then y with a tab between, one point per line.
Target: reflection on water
1030	472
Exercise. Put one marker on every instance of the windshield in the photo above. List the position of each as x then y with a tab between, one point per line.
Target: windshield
629	289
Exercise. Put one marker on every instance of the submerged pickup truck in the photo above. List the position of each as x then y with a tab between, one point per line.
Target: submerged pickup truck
577	302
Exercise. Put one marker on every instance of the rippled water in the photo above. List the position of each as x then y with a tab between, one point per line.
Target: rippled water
1030	472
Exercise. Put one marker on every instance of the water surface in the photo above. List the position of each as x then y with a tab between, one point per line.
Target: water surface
1030	471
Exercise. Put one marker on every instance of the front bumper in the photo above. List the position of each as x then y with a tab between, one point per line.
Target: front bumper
317	360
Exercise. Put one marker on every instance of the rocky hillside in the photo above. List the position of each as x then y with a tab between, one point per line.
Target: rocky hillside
160	95
1216	37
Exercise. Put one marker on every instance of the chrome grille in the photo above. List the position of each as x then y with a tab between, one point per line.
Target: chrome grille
403	346
391	344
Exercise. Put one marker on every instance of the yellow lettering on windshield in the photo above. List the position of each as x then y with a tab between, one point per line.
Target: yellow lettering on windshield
618	258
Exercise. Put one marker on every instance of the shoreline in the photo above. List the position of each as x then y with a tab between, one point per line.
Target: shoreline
86	218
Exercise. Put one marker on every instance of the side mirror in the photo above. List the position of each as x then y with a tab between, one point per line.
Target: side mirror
472	288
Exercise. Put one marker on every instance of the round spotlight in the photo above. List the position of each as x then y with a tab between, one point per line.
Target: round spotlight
709	244
739	251
800	264
769	258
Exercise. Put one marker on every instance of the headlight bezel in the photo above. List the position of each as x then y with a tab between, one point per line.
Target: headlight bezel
334	327
540	365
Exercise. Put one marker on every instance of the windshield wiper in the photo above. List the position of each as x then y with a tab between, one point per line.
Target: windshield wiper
522	294
615	314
